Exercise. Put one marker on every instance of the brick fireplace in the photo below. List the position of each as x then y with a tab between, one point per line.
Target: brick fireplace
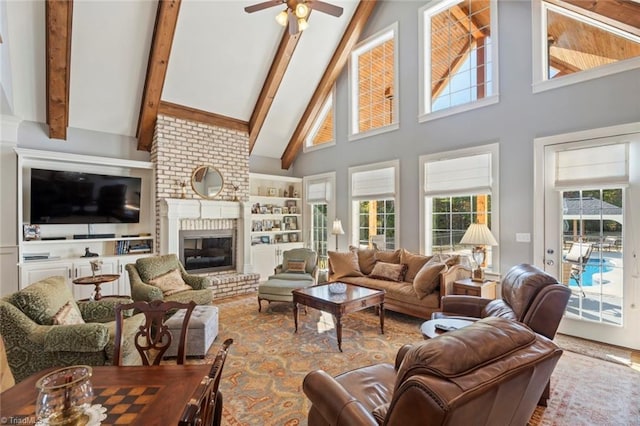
179	147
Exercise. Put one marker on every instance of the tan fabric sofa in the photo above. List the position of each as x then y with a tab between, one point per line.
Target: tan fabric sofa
414	283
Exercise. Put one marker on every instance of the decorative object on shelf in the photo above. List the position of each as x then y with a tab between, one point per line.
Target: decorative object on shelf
337	287
285	193
96	265
183	188
272	192
207	181
337	230
31	232
295	193
235	191
276	210
293	238
479	236
265	239
64	396
285	238
87	253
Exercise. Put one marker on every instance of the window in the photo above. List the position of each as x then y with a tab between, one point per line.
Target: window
321	209
373	81
458	56
460	188
573	43
374	203
322	132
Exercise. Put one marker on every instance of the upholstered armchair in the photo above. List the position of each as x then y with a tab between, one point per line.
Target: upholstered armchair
297	265
152	268
491	372
34	343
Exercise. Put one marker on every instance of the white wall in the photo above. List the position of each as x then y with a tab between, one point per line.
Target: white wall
514	122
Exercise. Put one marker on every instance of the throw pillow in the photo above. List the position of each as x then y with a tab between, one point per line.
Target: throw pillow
414	263
170	283
296	266
388	271
388	256
428	278
69	314
344	264
366	259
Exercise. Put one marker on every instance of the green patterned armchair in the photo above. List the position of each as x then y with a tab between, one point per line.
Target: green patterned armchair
151	268
33	343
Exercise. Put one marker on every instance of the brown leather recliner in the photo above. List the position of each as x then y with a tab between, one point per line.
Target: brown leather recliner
489	373
529	295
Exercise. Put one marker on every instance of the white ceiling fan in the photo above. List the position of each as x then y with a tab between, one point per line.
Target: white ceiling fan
296	12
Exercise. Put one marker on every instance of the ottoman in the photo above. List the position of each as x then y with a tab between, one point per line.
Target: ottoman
203	329
279	290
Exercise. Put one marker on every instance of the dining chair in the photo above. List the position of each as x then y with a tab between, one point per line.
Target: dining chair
153	337
205	404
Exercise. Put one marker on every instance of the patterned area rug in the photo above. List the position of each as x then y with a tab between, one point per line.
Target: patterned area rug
262	379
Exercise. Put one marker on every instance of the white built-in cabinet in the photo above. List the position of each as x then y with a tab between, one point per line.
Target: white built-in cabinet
62	255
276	219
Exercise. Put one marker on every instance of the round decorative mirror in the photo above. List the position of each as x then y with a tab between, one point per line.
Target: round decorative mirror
207	181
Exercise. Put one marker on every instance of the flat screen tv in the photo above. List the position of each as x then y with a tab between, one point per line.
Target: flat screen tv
61	197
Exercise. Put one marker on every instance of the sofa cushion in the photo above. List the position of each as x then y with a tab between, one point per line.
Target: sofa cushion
170	283
296	266
366	259
154	266
388	271
344	264
69	314
428	278
414	263
388	256
41	300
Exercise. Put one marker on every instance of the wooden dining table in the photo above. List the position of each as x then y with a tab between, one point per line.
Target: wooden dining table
132	395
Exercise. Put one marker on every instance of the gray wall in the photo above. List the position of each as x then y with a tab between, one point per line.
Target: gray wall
514	122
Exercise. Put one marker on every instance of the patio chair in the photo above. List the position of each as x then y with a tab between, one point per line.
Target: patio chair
578	256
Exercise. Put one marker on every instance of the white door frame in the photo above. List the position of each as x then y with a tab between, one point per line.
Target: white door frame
618	335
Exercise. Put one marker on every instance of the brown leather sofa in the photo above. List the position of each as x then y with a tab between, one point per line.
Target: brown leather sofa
489	373
529	295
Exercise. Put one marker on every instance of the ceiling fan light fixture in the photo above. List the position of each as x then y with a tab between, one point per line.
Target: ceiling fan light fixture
281	18
302	10
302	24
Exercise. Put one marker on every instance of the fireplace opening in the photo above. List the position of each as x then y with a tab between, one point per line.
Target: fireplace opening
207	251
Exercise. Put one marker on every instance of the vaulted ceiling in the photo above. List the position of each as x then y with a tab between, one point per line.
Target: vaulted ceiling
112	66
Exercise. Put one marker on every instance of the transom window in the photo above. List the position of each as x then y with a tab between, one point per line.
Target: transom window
373	82
459	64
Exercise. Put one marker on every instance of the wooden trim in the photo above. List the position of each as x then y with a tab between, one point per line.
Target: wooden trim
621	14
335	67
278	67
192	114
58	17
163	32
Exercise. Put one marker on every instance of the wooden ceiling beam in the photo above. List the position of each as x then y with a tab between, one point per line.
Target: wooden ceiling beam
163	32
336	65
621	14
467	22
192	114
59	14
270	87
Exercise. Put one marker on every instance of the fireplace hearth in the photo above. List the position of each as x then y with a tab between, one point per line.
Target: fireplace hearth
203	251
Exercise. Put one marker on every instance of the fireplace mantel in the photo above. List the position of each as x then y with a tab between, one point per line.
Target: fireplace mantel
174	210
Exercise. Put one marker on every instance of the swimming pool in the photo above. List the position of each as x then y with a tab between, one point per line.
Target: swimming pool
593	267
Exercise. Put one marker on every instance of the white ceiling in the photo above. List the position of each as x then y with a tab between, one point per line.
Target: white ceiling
219	61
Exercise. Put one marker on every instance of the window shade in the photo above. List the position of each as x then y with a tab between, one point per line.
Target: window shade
463	175
369	184
592	166
318	191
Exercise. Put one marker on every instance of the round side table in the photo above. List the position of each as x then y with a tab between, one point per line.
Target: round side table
96	281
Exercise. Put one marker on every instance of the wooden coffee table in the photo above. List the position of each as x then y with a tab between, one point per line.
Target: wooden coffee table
355	299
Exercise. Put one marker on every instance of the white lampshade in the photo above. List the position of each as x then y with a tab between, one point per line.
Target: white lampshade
478	234
281	18
302	24
337	227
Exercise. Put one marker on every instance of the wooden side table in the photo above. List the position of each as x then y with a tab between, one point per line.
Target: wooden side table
96	281
467	287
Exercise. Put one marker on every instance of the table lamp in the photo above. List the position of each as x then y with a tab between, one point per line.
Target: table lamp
479	236
337	230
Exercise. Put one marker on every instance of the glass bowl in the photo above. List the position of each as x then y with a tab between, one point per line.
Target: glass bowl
64	395
337	288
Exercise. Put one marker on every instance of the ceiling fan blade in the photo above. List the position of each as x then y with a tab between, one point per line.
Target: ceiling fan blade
326	8
264	5
293	24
